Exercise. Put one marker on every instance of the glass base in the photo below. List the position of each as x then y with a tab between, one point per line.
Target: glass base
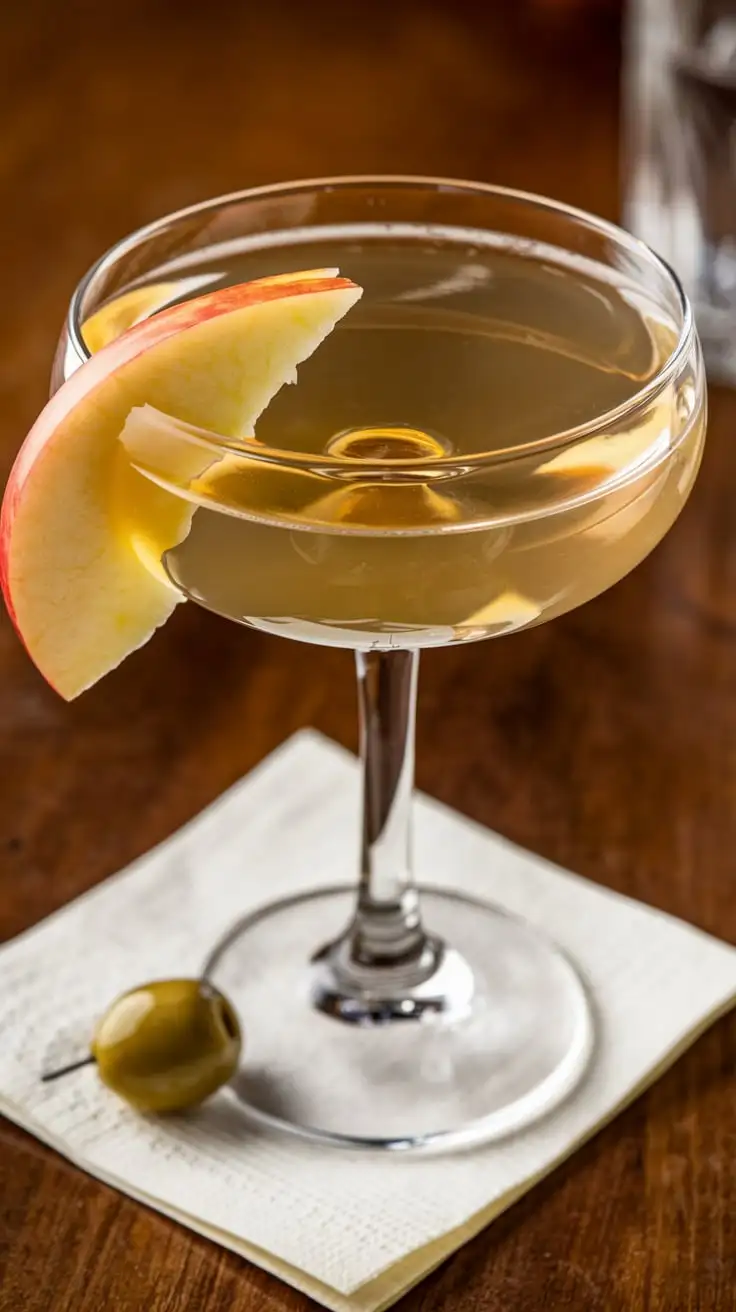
509	1033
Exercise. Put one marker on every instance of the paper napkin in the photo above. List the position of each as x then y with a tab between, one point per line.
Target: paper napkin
354	1230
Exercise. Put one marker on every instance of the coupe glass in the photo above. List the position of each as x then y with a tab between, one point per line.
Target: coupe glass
377	1017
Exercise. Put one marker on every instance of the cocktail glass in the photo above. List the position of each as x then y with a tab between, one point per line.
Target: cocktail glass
392	1019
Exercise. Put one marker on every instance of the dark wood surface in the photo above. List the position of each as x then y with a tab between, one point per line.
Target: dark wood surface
606	741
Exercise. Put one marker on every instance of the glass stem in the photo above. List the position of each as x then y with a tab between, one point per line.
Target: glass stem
387	929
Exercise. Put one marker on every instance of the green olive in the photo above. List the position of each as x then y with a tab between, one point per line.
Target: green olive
168	1045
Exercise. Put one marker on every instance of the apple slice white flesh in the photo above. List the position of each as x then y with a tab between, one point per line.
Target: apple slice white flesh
79	596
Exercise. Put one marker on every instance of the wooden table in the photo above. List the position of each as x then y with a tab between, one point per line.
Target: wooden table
606	741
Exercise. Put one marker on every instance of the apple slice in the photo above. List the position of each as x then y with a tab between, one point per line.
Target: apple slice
79	595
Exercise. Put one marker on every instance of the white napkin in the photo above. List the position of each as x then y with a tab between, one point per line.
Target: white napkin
354	1231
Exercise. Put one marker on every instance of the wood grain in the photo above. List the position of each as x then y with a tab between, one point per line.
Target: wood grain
606	741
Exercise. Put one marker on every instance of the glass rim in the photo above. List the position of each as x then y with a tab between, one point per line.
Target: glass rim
346	182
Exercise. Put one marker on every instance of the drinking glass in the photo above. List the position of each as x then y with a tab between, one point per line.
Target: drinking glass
378	1016
680	181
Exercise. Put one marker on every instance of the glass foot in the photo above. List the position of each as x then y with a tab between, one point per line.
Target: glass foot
490	1040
